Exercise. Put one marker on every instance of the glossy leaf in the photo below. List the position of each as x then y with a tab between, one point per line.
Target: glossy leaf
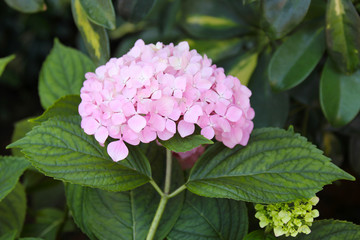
296	58
218	20
59	148
12	211
62	73
343	34
217	50
100	12
11	168
339	95
271	108
268	170
4	61
331	230
125	215
64	106
27	6
279	17
259	235
47	223
95	37
244	67
136	10
8	235
179	144
20	129
210	218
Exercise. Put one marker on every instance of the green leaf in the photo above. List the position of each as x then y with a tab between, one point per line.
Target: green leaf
59	148
259	235
64	106
331	230
11	168
27	6
9	235
275	166
12	211
210	218
62	73
46	225
218	20
31	238
271	108
4	61
218	50
339	95
126	215
306	47
343	34
136	10
279	17
95	37
20	129
100	12
244	67
179	144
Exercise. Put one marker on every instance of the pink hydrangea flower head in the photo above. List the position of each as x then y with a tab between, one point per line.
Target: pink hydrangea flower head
154	91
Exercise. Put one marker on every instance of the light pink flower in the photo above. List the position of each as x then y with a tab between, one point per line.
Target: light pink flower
154	91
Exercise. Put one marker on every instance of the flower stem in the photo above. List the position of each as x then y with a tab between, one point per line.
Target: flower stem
164	197
177	191
157	217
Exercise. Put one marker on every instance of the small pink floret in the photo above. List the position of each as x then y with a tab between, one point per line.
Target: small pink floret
154	91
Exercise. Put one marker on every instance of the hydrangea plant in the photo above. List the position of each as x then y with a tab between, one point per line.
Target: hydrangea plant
159	142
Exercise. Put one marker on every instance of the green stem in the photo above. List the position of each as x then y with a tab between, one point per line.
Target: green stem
177	191
168	172
157	217
153	183
164	197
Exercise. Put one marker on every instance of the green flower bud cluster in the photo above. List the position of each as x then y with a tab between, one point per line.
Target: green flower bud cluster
288	219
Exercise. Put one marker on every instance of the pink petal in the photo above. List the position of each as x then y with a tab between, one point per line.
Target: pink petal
185	128
137	123
90	125
117	150
180	83
101	134
147	135
170	126
192	115
233	114
157	122
165	106
118	118
128	109
208	132
156	95
165	135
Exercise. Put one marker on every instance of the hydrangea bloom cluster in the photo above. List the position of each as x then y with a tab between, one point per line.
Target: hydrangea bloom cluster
288	219
154	91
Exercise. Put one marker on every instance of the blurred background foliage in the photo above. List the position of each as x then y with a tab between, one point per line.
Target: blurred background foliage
300	58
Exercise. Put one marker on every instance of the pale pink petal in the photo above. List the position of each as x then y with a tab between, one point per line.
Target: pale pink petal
165	106
157	122
137	123
101	134
185	128
208	132
192	115
117	150
170	126
165	135
147	135
128	109
118	118
233	114
156	95
90	125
